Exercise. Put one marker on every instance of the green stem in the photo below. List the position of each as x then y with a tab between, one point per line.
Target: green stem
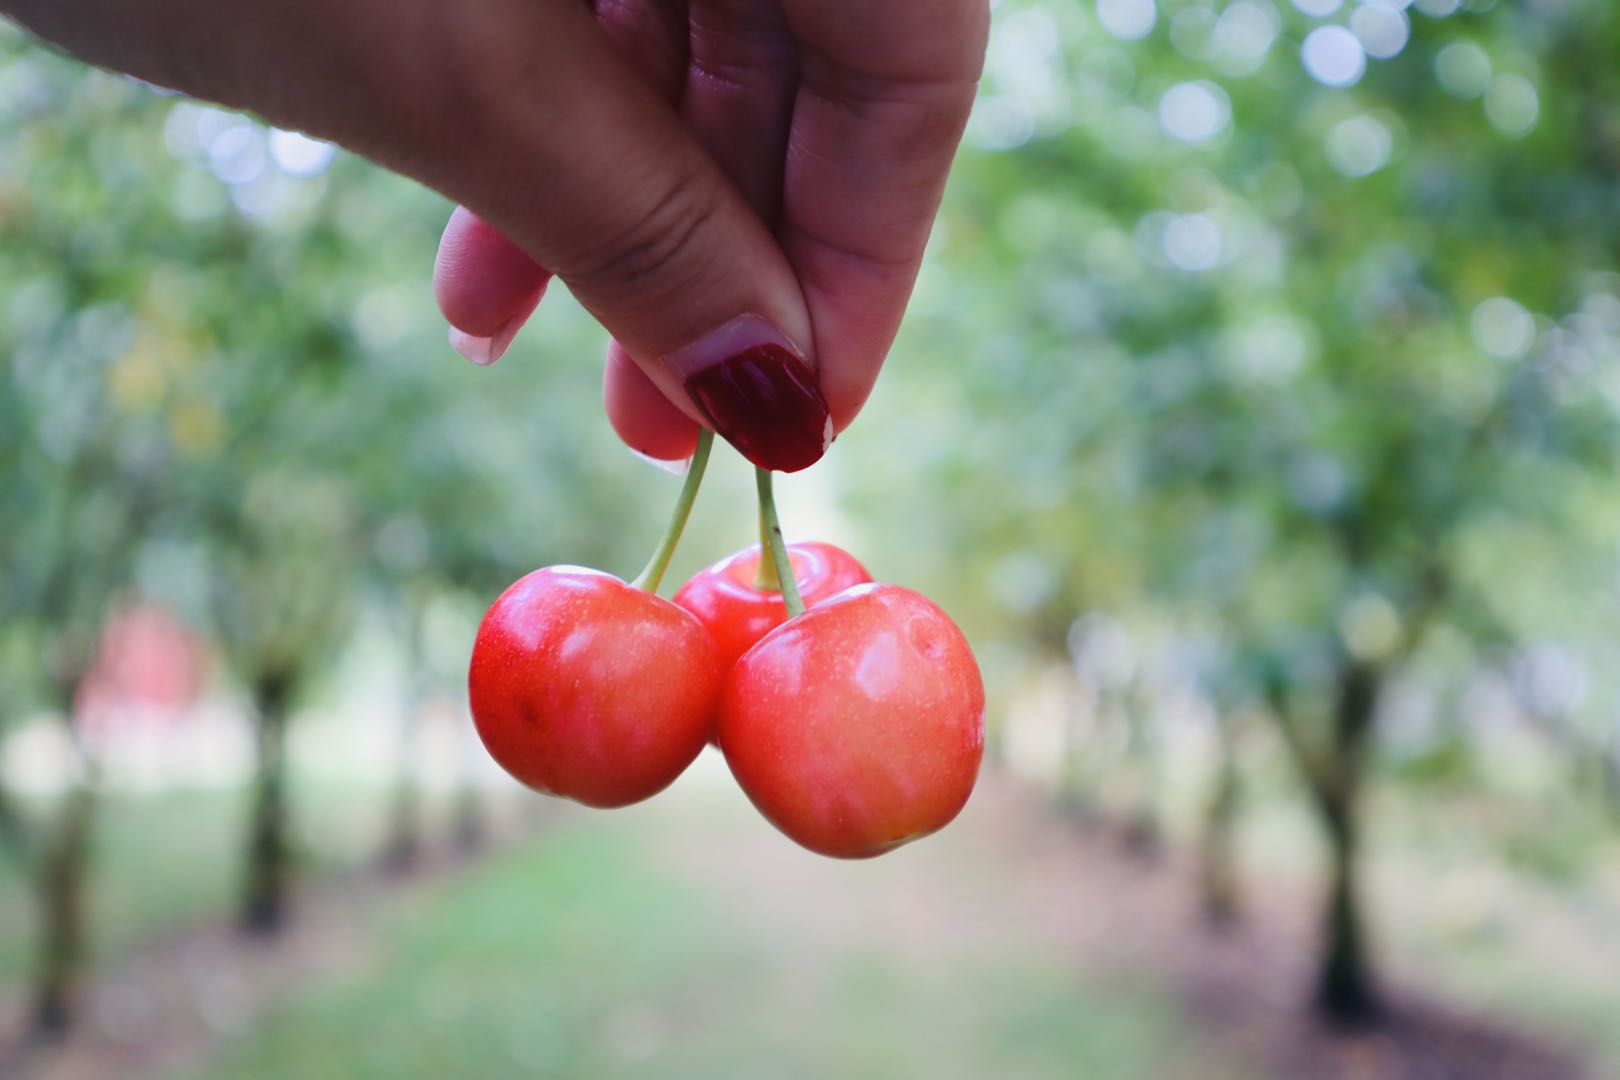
771	531
653	575
765	576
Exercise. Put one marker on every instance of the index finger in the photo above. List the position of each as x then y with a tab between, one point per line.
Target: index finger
884	93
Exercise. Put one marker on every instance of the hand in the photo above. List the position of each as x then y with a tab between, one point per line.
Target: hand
739	190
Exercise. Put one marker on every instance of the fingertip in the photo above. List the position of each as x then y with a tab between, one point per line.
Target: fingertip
485	284
643	417
479	350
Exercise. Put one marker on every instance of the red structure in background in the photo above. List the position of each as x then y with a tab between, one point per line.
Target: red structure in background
147	665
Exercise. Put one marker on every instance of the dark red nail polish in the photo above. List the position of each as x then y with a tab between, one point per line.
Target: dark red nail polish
765	402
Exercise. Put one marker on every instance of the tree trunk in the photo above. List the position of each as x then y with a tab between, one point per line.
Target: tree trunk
1609	787
1142	836
469	831
60	879
14	829
1074	791
403	845
1346	993
267	880
61	864
1218	864
469	828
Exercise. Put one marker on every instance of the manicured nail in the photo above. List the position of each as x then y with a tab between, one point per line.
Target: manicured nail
676	467
758	393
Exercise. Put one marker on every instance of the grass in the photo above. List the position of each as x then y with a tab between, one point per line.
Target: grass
585	952
574	956
161	863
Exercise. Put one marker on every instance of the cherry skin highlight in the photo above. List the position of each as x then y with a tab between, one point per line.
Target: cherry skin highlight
859	725
585	687
737	612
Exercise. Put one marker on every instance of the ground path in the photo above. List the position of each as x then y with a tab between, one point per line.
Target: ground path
685	937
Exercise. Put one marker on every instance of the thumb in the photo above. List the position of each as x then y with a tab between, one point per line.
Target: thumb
603	187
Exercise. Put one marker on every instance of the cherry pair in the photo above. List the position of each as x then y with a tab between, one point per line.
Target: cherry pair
854	724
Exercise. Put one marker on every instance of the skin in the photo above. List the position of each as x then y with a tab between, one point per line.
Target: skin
737	612
585	687
676	163
859	725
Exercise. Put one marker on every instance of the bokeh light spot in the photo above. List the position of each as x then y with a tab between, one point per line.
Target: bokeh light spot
1463	68
1333	56
1370	626
1512	105
1192	242
1194	112
1128	20
1382	29
1244	35
1359	146
999	123
237	155
1502	328
296	154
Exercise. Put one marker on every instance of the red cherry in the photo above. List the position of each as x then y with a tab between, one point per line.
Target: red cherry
859	725
738	612
589	688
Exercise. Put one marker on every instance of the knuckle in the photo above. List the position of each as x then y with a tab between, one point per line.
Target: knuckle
655	249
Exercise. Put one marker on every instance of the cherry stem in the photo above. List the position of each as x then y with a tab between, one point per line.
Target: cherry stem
653	576
765	576
771	537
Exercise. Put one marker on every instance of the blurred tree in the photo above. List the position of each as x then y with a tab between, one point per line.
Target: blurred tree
283	599
80	486
1219	878
1300	326
227	383
402	837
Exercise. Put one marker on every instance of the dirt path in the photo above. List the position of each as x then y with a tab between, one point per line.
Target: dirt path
1024	878
1009	878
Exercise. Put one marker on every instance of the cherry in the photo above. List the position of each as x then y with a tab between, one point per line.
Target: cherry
859	725
590	688
729	599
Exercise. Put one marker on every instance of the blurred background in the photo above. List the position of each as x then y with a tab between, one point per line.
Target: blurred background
1256	417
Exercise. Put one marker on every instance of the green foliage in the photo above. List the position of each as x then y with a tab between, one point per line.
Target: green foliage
1336	377
227	387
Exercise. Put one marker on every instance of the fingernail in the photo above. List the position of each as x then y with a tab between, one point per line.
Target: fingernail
676	467
484	351
480	350
758	393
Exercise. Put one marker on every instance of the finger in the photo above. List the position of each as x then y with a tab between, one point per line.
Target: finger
486	286
735	97
884	91
652	35
481	279
606	189
641	414
739	93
